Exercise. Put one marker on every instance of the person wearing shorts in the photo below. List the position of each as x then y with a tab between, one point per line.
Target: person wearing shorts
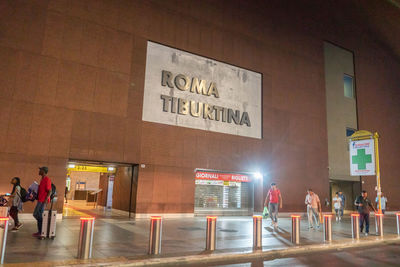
337	205
273	199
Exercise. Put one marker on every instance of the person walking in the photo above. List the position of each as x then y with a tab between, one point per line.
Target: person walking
343	206
313	208
337	205
43	198
363	205
65	194
274	197
16	202
383	202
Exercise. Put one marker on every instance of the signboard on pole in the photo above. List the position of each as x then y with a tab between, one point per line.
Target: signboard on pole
362	157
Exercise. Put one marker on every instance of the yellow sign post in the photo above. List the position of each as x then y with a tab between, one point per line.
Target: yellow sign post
378	174
364	135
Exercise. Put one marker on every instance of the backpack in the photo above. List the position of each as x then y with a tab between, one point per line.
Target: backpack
23	194
53	192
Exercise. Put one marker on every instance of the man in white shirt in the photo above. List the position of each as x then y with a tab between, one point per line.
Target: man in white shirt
313	208
383	202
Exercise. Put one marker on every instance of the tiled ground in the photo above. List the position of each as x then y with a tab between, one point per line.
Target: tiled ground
116	235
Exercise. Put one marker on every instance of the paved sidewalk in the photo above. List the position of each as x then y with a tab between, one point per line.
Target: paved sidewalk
123	239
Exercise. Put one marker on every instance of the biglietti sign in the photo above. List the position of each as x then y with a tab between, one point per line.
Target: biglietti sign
187	90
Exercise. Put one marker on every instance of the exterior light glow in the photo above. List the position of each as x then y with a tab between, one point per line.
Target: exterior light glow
71	166
258	175
110	169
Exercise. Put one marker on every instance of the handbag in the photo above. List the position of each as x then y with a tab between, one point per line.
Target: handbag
265	212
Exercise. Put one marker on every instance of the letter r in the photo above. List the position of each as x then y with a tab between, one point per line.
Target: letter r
166	79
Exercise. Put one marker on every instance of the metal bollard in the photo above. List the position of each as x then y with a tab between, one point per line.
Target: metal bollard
355	225
3	237
257	232
328	227
296	229
398	223
211	233
86	238
379	224
155	235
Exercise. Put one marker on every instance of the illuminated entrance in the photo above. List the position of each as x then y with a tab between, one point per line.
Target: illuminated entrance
100	187
221	193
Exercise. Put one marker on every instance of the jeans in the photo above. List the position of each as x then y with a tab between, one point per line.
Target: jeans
38	214
364	217
273	211
341	211
14	215
312	213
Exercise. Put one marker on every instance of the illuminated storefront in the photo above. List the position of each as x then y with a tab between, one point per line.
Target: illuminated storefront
223	193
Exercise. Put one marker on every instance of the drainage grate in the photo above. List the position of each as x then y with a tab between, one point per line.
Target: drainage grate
229	230
190	228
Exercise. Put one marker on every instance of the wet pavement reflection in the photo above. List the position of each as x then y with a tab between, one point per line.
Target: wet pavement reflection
387	255
116	235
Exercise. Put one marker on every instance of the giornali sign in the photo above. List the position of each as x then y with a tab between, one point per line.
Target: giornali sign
187	90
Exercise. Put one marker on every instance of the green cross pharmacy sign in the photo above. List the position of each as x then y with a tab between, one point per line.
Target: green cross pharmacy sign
362	157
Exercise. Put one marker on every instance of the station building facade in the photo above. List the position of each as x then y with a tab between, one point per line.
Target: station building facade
198	105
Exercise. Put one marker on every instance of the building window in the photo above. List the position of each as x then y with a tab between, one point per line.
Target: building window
348	86
350	131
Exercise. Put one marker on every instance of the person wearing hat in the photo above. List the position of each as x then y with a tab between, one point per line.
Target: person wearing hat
43	198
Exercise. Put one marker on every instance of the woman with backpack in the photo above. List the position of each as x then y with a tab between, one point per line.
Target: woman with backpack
16	202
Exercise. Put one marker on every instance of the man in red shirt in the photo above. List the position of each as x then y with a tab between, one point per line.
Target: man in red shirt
274	197
43	198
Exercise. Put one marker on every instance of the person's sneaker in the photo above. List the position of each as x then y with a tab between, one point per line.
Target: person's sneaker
36	234
337	219
18	226
366	234
310	227
14	229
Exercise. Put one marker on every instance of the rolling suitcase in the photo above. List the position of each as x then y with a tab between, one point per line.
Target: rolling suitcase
49	222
